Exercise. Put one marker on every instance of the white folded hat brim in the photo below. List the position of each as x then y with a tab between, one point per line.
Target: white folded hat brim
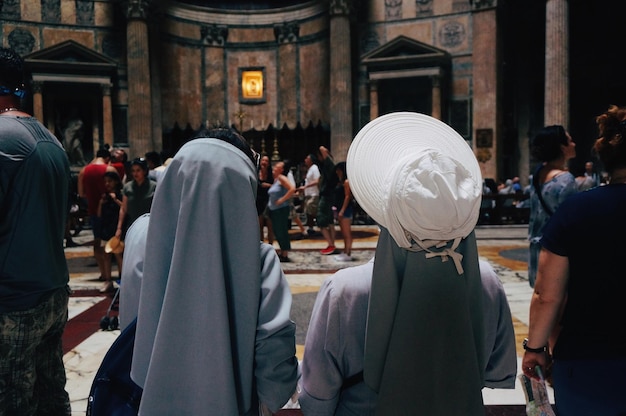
396	138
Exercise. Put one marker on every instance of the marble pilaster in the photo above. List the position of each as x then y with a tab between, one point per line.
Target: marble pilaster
340	79
139	92
286	37
214	38
107	114
556	101
436	97
485	108
373	99
38	101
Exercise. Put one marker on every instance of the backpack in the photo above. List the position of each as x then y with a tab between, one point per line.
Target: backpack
113	393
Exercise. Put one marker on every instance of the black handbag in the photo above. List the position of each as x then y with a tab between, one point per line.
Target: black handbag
113	393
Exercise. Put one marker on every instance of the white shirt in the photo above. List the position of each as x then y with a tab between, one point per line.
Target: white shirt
312	175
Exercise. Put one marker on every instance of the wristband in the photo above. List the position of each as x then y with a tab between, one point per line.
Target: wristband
535	350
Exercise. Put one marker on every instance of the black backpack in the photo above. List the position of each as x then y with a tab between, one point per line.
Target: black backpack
113	393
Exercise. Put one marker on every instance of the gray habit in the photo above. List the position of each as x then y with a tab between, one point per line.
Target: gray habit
213	328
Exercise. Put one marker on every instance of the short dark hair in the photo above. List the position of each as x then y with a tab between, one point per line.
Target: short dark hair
228	135
12	72
154	157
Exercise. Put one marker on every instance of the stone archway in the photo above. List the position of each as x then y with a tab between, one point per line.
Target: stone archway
72	97
412	70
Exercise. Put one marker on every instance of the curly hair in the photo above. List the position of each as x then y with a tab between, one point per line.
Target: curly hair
11	68
546	145
611	146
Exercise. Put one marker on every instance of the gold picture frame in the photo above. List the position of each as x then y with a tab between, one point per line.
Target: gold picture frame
252	88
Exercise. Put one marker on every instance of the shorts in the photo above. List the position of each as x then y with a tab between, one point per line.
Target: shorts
32	374
310	205
325	212
348	213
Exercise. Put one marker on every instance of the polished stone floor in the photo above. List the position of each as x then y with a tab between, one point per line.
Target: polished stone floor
505	247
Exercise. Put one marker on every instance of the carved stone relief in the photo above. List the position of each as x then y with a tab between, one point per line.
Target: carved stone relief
84	12
138	9
424	7
51	11
452	34
340	7
22	41
214	35
393	9
10	9
287	32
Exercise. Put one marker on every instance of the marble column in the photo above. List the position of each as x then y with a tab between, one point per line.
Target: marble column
96	139
556	102
286	37
373	99
485	96
214	38
139	92
436	97
107	114
340	79
38	101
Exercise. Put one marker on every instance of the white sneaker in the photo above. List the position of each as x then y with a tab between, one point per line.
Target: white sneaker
343	257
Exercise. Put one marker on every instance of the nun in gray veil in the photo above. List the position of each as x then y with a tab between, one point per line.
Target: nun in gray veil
214	336
425	332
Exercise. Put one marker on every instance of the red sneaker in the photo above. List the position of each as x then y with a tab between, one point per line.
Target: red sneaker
329	250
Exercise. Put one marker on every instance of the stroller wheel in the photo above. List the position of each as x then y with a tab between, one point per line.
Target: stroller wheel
115	323
105	323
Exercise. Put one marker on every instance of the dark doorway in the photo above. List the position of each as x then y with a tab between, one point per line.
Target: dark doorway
405	94
72	112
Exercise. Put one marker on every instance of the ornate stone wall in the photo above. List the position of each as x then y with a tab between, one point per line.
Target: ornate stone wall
197	55
290	47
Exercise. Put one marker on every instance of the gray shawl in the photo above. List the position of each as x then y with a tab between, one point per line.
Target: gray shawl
424	339
200	294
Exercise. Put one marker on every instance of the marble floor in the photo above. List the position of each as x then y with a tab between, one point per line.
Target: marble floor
85	343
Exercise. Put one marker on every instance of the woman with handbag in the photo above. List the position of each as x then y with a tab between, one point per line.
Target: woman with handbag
553	147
